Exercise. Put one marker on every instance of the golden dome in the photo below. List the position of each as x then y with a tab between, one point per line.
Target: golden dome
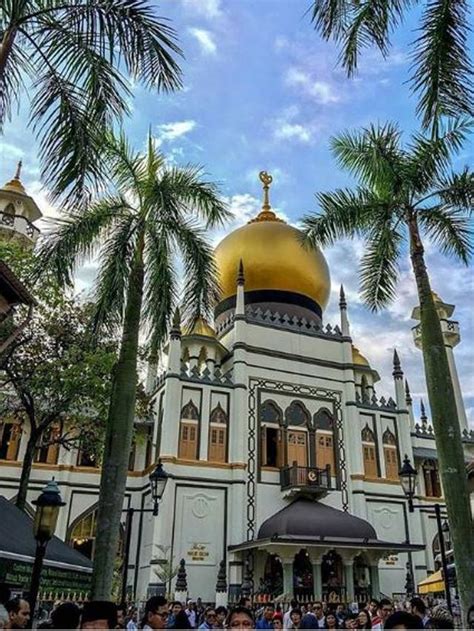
15	184
201	327
274	258
358	358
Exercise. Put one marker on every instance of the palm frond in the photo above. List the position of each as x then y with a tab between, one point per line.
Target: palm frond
331	17
193	195
379	266
373	155
130	30
450	229
126	166
456	190
161	283
344	213
430	157
442	69
200	280
73	239
113	273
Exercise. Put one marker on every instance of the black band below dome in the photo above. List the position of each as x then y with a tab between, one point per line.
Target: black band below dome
270	295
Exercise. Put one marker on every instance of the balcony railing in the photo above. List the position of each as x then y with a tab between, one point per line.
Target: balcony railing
312	479
20	224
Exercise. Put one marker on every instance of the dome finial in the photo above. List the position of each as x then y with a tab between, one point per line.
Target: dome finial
266	180
266	214
18	170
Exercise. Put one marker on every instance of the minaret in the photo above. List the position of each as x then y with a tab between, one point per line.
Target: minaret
409	404
452	337
18	211
345	330
423	417
398	379
174	353
240	300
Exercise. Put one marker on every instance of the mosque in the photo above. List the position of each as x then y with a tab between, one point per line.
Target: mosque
282	457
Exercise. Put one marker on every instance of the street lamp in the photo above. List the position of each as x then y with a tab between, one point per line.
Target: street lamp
407	476
158	479
408	481
44	525
446	533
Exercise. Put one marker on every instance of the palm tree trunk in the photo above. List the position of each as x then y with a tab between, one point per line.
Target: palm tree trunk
118	439
446	426
26	471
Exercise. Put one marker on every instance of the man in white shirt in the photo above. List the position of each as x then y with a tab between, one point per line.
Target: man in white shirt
190	611
286	617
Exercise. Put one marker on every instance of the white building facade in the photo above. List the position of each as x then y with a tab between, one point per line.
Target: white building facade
283	459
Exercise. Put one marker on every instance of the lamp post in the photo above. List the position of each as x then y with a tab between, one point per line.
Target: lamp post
158	479
44	525
408	481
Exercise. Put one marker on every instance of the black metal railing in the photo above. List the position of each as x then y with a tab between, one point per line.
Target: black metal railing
19	223
310	478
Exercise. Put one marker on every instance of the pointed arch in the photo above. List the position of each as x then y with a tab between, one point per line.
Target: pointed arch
270	412
190	411
81	533
388	438
297	414
9	209
325	440
390	452
369	450
219	415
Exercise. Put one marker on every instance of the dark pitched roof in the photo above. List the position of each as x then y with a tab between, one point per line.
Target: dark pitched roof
12	287
307	518
16	538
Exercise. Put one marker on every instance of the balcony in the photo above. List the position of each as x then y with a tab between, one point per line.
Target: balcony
18	225
295	479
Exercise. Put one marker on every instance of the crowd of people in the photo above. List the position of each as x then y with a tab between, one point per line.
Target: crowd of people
158	613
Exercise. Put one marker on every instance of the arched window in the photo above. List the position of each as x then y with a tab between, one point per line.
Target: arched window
431	478
297	414
10	434
189	428
390	453
217	435
325	443
82	534
48	451
9	209
271	448
369	450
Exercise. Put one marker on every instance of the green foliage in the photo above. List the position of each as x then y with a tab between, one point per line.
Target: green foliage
72	60
398	185
442	71
160	209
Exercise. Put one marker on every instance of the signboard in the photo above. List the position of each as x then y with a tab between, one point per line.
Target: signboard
18	575
198	552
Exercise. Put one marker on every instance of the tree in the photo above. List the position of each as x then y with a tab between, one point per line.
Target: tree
70	59
150	221
404	195
56	377
442	70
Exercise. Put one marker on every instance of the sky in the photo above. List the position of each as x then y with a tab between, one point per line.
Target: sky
262	91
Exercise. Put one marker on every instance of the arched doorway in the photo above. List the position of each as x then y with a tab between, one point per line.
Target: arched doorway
361	573
303	585
272	581
332	576
82	533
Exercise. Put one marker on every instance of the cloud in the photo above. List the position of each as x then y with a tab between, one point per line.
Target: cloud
205	40
168	132
320	91
286	126
210	9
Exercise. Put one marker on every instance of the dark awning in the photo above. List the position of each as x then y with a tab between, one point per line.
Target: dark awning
305	522
425	452
17	542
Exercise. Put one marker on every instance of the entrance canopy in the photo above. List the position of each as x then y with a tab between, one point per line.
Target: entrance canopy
309	523
432	584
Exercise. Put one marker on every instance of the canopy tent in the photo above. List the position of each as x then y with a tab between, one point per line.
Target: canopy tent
432	584
66	571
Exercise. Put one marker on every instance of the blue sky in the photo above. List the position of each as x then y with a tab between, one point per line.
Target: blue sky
263	91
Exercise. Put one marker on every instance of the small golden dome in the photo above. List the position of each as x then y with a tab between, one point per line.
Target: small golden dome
273	256
358	358
15	184
201	327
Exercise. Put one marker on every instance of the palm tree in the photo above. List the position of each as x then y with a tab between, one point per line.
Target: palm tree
151	222
406	194
442	70
70	60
